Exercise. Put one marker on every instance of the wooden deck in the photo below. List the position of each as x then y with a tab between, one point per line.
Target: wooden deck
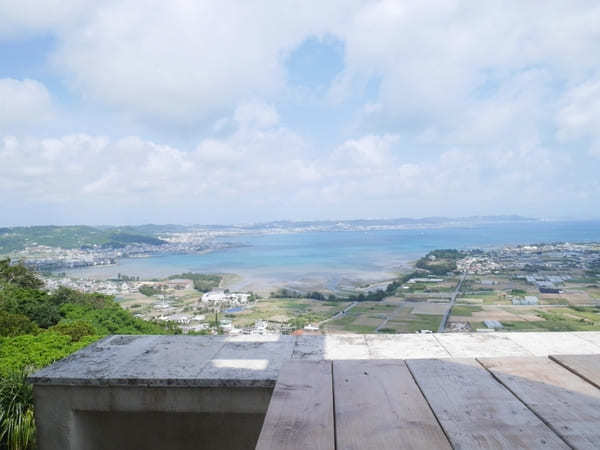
511	402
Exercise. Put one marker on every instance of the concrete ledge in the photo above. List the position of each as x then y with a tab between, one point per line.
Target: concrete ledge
254	361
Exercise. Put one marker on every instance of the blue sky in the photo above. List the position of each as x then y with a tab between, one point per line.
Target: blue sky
206	112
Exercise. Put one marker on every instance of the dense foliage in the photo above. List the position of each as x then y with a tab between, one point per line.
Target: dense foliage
440	262
38	327
16	324
149	291
202	282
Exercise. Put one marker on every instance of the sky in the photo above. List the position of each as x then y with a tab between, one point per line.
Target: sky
129	112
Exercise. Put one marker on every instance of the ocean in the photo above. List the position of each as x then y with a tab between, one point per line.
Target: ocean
329	258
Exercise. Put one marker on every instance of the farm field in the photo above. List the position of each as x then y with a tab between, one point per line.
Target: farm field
530	318
401	316
283	310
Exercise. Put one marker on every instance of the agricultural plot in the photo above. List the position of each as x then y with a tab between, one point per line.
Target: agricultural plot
530	318
286	310
406	317
572	318
184	300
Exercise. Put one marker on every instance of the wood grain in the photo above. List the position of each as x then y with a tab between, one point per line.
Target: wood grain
379	406
586	366
300	414
565	402
476	411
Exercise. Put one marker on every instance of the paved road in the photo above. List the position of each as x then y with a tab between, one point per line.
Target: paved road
452	301
387	318
340	314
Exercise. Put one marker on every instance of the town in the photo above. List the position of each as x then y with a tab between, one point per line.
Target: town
513	288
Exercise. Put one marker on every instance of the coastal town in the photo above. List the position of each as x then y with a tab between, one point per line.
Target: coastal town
512	288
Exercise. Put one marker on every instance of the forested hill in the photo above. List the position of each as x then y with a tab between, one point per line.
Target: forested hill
38	327
71	237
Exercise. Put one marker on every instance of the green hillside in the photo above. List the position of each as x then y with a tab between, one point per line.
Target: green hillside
37	328
17	238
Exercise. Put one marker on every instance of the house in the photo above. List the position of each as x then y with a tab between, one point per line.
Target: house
220	296
527	300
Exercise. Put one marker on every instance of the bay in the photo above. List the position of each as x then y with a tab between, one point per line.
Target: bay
332	258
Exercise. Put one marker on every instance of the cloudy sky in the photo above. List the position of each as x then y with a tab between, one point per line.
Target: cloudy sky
125	112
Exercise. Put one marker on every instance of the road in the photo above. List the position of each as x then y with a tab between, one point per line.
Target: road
452	301
340	314
387	318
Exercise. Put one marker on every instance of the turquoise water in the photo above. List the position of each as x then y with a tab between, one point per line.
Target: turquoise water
334	255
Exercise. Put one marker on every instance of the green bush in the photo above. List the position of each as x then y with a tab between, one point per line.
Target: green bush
18	275
16	324
69	320
20	352
76	329
37	305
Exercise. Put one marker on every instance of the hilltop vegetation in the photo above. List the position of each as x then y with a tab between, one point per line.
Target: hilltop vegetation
202	282
73	237
38	327
440	262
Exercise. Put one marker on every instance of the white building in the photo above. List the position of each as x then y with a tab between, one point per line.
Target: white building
527	300
225	297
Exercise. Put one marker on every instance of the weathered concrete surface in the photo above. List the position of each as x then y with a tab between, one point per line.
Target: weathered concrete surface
223	383
590	336
473	345
254	361
248	361
74	417
542	344
405	346
141	360
180	431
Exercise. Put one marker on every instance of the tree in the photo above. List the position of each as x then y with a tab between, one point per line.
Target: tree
18	275
16	324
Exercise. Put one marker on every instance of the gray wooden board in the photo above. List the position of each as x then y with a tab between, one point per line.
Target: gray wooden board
300	414
379	406
586	366
475	410
567	403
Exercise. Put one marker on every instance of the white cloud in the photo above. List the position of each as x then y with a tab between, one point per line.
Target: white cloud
472	107
257	115
23	103
366	152
265	173
579	116
183	60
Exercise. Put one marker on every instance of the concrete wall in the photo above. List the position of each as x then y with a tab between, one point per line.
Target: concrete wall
159	430
95	418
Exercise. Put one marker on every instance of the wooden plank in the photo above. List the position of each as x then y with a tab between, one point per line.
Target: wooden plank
475	410
300	414
586	366
379	406
569	405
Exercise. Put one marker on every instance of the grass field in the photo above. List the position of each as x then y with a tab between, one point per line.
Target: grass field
461	310
367	316
285	310
570	318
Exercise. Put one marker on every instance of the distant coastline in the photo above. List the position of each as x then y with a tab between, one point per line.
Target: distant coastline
338	259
